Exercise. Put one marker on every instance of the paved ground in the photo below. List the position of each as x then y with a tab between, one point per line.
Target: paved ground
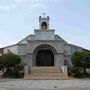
45	84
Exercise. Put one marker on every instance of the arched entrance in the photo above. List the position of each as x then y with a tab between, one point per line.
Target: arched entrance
44	58
44	55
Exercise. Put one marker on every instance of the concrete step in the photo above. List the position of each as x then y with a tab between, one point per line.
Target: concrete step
45	69
45	73
45	78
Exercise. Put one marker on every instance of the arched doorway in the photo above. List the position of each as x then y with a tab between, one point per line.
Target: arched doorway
44	25
45	58
44	55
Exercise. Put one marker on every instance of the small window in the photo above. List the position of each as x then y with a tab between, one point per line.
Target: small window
44	25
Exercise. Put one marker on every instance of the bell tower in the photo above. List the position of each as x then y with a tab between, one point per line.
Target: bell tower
44	32
44	22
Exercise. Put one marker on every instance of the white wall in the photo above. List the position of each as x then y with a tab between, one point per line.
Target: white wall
22	49
67	49
74	48
13	49
44	34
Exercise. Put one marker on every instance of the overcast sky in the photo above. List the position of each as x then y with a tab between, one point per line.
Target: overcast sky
70	19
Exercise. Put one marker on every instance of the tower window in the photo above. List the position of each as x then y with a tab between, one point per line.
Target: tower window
44	25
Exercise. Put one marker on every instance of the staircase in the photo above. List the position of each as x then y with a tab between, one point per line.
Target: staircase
45	73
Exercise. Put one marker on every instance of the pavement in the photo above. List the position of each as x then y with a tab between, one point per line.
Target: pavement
20	84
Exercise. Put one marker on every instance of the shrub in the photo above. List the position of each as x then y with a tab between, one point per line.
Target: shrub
81	59
18	71
10	64
75	72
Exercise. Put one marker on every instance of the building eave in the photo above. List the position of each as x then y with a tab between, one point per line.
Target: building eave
8	46
24	38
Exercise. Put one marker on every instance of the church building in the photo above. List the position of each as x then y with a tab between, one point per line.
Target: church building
43	50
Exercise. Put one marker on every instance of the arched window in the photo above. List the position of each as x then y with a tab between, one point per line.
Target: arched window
44	25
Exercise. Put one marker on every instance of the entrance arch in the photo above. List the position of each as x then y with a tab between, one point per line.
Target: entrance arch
45	58
44	55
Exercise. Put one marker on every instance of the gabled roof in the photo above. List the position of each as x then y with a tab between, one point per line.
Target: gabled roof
57	37
25	38
79	47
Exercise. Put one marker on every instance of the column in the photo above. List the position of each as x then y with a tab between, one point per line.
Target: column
58	60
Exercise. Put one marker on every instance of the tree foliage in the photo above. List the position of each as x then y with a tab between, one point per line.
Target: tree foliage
10	62
81	59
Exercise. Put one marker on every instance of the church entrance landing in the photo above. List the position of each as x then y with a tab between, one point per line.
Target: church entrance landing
44	65
44	58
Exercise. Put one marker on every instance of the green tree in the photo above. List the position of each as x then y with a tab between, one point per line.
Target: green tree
10	62
81	59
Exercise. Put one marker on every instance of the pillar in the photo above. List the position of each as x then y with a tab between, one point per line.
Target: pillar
58	60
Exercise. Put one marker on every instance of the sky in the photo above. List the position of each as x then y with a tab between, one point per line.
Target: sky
69	18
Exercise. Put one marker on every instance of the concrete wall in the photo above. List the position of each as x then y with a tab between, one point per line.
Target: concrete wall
22	49
19	49
67	59
74	48
30	37
31	45
69	50
23	59
44	34
13	49
57	45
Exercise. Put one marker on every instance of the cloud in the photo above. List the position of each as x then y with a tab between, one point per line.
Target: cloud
33	1
28	4
37	5
13	6
7	8
19	5
9	5
19	0
6	38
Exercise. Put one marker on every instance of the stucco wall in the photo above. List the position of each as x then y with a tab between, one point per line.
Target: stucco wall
67	49
56	44
30	37
44	34
74	48
13	49
22	49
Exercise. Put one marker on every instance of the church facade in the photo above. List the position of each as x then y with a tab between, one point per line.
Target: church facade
43	48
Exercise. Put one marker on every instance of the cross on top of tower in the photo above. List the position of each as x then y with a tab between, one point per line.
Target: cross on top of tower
44	14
